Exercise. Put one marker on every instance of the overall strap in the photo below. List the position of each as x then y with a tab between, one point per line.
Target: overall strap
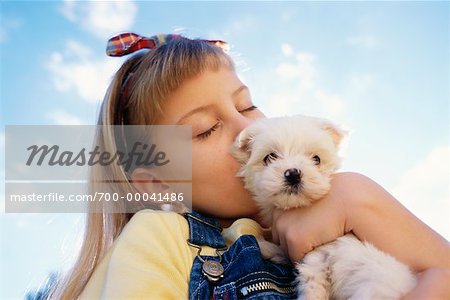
204	231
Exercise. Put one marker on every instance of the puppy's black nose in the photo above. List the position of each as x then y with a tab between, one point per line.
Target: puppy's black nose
292	176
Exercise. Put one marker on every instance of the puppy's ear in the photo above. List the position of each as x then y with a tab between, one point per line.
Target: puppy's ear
242	146
336	133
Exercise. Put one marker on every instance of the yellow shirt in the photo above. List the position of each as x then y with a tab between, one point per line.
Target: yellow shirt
151	259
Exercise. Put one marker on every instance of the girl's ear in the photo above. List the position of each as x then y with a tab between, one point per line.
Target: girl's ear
146	180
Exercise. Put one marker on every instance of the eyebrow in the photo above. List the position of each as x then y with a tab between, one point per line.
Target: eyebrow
240	89
208	107
194	111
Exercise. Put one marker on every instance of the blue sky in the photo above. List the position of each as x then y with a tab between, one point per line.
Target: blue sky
379	68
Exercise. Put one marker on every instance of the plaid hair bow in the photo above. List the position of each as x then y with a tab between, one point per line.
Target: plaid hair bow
126	43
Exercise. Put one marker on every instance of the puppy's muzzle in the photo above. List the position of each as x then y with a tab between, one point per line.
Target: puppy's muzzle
292	177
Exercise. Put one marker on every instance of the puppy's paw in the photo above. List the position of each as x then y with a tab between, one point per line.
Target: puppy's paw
272	252
314	275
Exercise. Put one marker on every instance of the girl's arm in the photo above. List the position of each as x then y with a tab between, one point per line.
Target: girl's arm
434	283
356	203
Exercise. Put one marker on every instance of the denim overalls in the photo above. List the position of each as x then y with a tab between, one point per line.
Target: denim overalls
246	275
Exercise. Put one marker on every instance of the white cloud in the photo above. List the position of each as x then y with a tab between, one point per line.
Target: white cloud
101	18
331	104
424	189
2	172
299	88
242	24
68	10
61	117
287	16
2	141
361	83
8	25
76	69
287	49
236	26
303	69
367	41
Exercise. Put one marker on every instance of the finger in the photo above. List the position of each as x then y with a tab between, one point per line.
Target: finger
296	254
275	234
296	244
283	244
275	237
276	214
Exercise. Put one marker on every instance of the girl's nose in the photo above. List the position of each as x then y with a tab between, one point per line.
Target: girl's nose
240	122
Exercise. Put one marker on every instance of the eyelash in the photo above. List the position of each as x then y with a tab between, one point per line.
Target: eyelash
208	132
253	107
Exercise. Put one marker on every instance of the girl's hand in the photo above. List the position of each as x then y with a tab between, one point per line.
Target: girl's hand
356	203
300	230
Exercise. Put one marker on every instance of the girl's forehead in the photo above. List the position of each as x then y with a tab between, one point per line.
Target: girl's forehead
209	89
208	81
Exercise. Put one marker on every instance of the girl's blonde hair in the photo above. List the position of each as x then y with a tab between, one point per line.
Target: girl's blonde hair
148	78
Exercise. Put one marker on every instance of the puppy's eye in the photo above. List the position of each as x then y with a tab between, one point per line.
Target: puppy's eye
316	159
270	157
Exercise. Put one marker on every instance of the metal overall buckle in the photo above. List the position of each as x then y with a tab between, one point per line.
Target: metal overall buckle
213	270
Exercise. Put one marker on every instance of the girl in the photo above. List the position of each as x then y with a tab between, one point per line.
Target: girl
146	254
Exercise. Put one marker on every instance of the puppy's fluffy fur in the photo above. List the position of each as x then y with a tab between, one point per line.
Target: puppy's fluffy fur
287	162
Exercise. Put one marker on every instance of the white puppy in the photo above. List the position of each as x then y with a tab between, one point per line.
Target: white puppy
288	162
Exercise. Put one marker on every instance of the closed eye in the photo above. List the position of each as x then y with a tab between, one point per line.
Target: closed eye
208	132
253	107
269	158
